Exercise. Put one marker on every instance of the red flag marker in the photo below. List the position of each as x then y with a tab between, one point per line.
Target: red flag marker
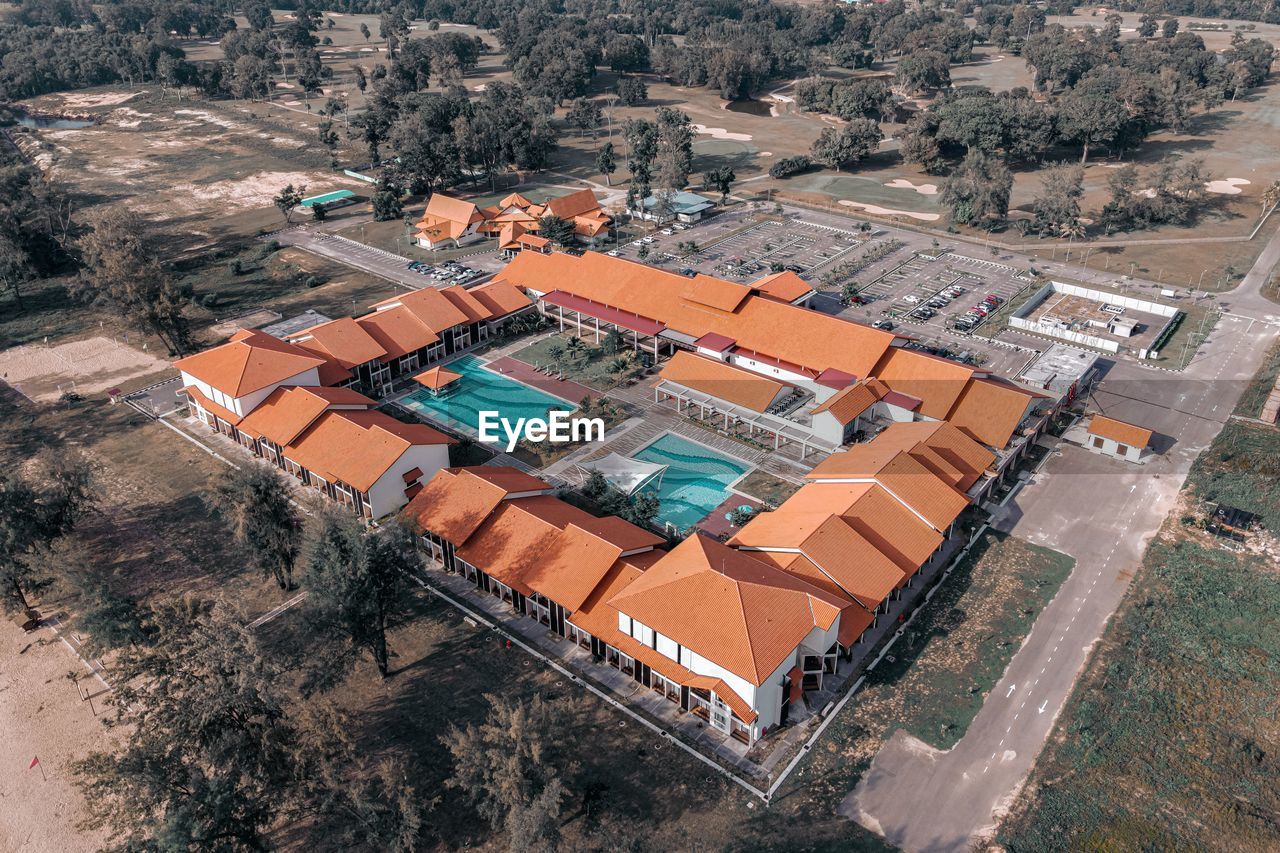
34	762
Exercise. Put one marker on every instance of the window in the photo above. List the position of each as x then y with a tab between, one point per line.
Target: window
1122	449
1097	441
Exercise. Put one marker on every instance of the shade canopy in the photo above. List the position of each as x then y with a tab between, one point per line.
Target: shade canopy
625	474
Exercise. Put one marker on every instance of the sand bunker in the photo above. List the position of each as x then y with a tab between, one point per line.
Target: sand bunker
208	117
904	184
90	102
1226	186
256	190
885	211
721	133
90	366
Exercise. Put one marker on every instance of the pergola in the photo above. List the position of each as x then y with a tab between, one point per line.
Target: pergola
595	317
782	430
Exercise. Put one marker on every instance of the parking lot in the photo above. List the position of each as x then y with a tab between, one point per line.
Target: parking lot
389	265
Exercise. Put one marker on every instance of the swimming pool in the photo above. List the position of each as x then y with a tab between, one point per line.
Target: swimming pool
482	390
696	482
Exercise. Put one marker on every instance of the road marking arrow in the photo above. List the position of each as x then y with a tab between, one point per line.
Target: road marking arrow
1043	705
1012	687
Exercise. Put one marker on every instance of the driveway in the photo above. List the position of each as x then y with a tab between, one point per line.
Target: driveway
1102	512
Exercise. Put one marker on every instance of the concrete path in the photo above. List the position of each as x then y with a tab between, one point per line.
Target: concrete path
1101	512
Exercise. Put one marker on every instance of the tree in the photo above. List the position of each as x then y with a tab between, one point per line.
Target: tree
256	504
122	274
37	511
216	755
555	229
287	199
364	31
355	592
632	91
1057	207
1169	28
606	162
626	53
1090	115
673	147
108	616
720	179
849	145
1147	26
923	71
977	191
386	203
586	115
506	767
16	267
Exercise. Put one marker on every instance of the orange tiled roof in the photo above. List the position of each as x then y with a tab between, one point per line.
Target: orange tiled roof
785	286
398	331
744	614
1119	431
501	298
290	409
937	445
937	382
731	384
435	310
250	361
849	403
515	200
991	409
786	332
716	293
571	205
437	378
357	447
442	208
457	500
344	340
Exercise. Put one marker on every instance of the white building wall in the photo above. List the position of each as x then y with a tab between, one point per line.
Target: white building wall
1112	448
387	494
246	404
770	370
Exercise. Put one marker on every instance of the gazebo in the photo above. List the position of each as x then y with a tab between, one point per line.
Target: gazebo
440	381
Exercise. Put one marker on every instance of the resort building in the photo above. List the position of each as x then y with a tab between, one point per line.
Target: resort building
449	221
330	439
1117	439
761	331
514	221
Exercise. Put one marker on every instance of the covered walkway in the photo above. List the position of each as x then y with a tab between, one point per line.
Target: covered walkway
781	430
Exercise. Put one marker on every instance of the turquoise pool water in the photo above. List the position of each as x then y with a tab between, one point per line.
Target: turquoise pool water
482	390
696	482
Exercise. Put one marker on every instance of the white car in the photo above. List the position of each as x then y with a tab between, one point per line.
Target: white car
647	240
613	253
637	242
911	299
667	231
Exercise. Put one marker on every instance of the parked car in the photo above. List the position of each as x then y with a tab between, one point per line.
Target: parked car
637	242
667	232
613	253
911	299
883	324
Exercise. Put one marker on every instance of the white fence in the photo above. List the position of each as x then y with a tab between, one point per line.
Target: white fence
1019	319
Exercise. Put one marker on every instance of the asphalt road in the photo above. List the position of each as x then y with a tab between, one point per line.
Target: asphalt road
1102	512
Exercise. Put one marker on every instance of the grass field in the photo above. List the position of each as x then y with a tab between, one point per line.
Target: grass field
766	487
940	671
1242	468
590	369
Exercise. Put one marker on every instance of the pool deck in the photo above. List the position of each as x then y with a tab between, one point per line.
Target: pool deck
522	372
715	524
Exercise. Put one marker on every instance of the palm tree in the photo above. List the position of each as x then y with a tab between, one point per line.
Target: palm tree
576	346
556	354
1271	196
618	366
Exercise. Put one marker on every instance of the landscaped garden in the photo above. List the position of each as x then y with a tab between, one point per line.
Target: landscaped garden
600	367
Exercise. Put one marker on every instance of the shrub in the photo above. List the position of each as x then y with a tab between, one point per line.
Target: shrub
790	166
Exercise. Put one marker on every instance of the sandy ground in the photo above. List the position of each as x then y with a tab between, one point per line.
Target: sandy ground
904	184
42	715
90	366
721	133
885	211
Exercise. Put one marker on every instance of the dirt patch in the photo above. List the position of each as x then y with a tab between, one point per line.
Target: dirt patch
44	373
42	716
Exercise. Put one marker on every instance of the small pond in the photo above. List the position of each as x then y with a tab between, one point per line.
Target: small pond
755	108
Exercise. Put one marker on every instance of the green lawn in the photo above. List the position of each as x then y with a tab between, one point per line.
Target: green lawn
1242	468
591	367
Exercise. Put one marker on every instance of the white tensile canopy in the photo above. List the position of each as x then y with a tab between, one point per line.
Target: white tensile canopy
625	474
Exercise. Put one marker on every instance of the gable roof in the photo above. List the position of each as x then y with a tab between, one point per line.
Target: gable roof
937	445
250	361
429	306
436	378
455	209
1119	431
990	410
571	205
456	501
724	381
784	286
397	330
749	616
789	333
847	404
290	409
344	340
358	447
